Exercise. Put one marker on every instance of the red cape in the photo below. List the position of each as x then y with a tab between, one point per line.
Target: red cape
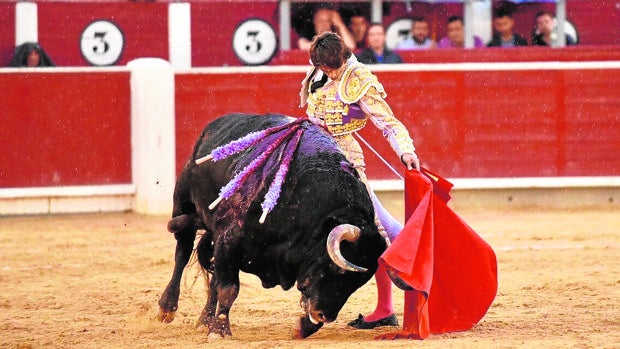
449	271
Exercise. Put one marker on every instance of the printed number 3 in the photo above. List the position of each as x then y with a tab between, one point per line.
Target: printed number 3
100	46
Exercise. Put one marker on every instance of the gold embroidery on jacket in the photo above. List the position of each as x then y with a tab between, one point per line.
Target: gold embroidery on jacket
325	105
355	82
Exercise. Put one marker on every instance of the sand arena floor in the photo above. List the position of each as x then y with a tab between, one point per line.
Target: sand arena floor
93	281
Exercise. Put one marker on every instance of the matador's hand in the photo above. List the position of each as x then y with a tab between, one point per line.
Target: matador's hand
411	161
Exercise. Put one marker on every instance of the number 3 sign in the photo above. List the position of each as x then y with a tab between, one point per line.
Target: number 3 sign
102	43
254	41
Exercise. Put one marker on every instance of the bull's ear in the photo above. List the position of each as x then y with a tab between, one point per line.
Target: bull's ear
348	167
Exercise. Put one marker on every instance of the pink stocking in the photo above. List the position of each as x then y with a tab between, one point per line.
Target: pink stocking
384	283
384	297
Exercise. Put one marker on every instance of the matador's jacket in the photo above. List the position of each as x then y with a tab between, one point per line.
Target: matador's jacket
344	106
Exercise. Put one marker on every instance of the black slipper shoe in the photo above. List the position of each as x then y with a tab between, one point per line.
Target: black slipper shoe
359	323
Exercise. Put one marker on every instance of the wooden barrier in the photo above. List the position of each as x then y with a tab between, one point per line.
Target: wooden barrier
493	123
64	128
468	120
66	141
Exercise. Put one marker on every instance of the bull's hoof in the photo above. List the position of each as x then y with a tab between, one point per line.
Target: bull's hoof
304	328
204	320
219	326
213	337
205	324
165	316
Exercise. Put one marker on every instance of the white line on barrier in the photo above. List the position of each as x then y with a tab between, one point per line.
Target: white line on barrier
408	67
419	67
64	191
377	185
57	70
513	183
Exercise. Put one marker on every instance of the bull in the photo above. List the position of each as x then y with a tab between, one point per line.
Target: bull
321	235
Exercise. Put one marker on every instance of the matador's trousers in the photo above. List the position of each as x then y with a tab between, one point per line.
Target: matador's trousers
386	223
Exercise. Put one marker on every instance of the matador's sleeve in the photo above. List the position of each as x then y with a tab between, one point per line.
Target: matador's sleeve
381	115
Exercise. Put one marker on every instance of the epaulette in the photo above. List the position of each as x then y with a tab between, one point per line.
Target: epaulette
355	82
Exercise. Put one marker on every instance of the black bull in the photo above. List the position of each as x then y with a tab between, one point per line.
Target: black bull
322	202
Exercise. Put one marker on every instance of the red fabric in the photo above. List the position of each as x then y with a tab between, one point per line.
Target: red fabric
450	271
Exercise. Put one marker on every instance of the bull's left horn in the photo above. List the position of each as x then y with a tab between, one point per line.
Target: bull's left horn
343	232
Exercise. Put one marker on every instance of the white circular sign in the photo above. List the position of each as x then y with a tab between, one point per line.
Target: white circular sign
254	41
102	43
397	31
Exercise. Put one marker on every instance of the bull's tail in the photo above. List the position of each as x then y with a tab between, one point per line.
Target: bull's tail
185	222
195	269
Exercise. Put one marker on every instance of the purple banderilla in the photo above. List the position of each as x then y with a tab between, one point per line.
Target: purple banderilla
271	198
244	142
249	140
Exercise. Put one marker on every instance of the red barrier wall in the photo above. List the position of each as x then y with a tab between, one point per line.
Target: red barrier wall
144	26
61	129
213	26
465	123
73	128
7	34
202	97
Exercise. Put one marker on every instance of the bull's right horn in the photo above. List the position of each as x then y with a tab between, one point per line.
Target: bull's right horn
343	232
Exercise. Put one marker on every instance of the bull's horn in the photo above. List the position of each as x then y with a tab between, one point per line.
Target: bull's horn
343	232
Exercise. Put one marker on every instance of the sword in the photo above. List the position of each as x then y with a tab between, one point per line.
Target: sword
378	155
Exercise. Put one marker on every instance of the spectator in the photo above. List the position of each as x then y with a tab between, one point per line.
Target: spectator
359	26
456	35
30	54
503	36
419	37
545	33
325	19
376	51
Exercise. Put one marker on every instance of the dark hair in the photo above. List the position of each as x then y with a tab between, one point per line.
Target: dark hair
419	19
452	19
543	13
355	12
502	12
21	53
328	49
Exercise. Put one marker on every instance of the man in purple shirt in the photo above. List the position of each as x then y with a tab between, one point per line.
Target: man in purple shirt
455	37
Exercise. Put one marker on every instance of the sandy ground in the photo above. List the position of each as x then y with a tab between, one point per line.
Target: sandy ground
93	281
